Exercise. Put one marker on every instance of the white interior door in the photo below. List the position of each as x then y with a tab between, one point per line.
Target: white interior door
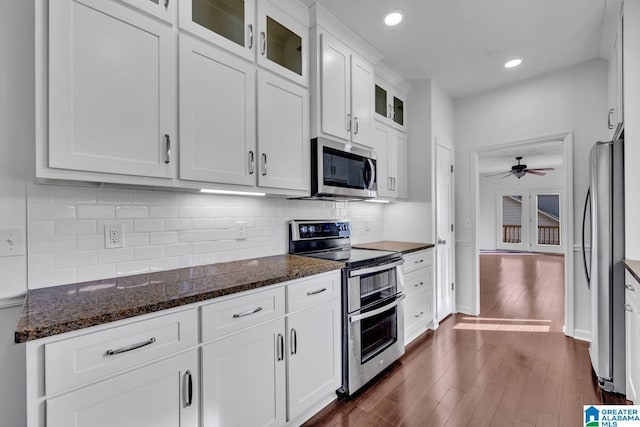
444	230
546	218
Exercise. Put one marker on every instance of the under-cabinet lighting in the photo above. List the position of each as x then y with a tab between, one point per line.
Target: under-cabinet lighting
393	18
513	63
376	201
232	193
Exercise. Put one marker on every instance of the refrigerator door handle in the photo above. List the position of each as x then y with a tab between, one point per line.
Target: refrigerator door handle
584	251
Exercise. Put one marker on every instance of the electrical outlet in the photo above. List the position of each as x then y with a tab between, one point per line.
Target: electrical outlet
113	236
241	230
11	242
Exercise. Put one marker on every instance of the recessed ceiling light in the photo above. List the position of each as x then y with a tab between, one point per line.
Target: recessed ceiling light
513	63
393	18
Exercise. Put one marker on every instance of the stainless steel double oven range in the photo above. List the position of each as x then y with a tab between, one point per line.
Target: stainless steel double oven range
372	298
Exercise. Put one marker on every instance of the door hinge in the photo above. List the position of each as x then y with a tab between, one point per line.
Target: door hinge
451	168
451	227
453	286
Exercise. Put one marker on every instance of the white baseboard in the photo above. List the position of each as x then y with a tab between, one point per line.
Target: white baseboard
463	309
582	335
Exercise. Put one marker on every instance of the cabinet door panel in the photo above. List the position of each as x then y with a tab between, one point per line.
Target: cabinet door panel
217	115
283	43
111	89
402	185
313	356
226	23
151	396
381	135
243	380
283	126
362	100
335	87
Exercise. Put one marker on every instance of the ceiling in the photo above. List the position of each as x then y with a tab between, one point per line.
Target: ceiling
463	44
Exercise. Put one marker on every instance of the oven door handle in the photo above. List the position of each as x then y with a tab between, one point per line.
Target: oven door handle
375	269
357	317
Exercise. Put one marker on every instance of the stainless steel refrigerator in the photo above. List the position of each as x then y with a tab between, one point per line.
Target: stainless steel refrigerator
604	269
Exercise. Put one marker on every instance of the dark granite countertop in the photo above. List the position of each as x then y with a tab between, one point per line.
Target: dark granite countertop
59	309
387	245
633	267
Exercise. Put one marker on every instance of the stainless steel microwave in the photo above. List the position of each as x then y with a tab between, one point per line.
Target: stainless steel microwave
340	171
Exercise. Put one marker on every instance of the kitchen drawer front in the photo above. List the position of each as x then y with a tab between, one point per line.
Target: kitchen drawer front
417	280
418	309
309	292
233	315
418	260
78	360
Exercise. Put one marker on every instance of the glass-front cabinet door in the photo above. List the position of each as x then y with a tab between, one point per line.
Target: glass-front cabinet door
282	43
381	102
398	111
226	23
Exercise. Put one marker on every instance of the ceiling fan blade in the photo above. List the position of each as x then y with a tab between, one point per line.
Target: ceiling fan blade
496	174
536	172
508	174
541	169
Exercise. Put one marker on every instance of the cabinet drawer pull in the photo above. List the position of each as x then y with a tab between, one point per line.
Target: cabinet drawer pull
250	36
280	349
130	347
252	163
247	313
319	291
419	284
264	164
419	315
167	142
264	42
355	126
628	308
419	261
189	394
629	287
294	341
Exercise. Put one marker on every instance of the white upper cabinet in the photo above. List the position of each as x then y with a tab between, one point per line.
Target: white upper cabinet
346	93
389	105
217	115
390	146
229	24
283	43
112	99
161	9
283	133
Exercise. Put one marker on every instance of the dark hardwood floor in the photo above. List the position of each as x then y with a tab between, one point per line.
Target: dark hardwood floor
511	366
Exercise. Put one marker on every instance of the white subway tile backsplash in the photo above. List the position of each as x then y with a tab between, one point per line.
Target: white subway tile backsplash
163	229
75	259
72	228
132	212
113	256
96	211
148	225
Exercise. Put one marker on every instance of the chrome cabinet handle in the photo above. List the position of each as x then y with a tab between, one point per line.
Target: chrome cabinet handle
166	4
419	315
355	125
319	291
252	163
189	389
394	183
280	350
250	36
348	122
167	142
130	347
264	164
629	287
442	242
357	317
264	42
418	284
390	111
628	308
609	124
247	313
420	261
294	341
389	184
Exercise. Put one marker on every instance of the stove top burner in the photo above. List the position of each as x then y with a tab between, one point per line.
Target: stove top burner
354	258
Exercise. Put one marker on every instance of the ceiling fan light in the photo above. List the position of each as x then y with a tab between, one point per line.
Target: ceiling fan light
519	174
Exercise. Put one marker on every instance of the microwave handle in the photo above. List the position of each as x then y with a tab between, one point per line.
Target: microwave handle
357	317
371	171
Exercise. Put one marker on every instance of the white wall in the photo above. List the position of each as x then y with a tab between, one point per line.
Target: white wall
631	72
571	99
490	186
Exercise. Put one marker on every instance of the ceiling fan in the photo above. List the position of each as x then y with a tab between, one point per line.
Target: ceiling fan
521	170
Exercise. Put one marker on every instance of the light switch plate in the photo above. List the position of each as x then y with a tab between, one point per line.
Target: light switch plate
11	242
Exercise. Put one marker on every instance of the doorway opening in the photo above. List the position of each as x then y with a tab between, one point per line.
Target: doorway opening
524	220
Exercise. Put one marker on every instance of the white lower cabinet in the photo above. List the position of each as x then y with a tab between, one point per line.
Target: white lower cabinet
163	394
243	378
632	338
418	286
